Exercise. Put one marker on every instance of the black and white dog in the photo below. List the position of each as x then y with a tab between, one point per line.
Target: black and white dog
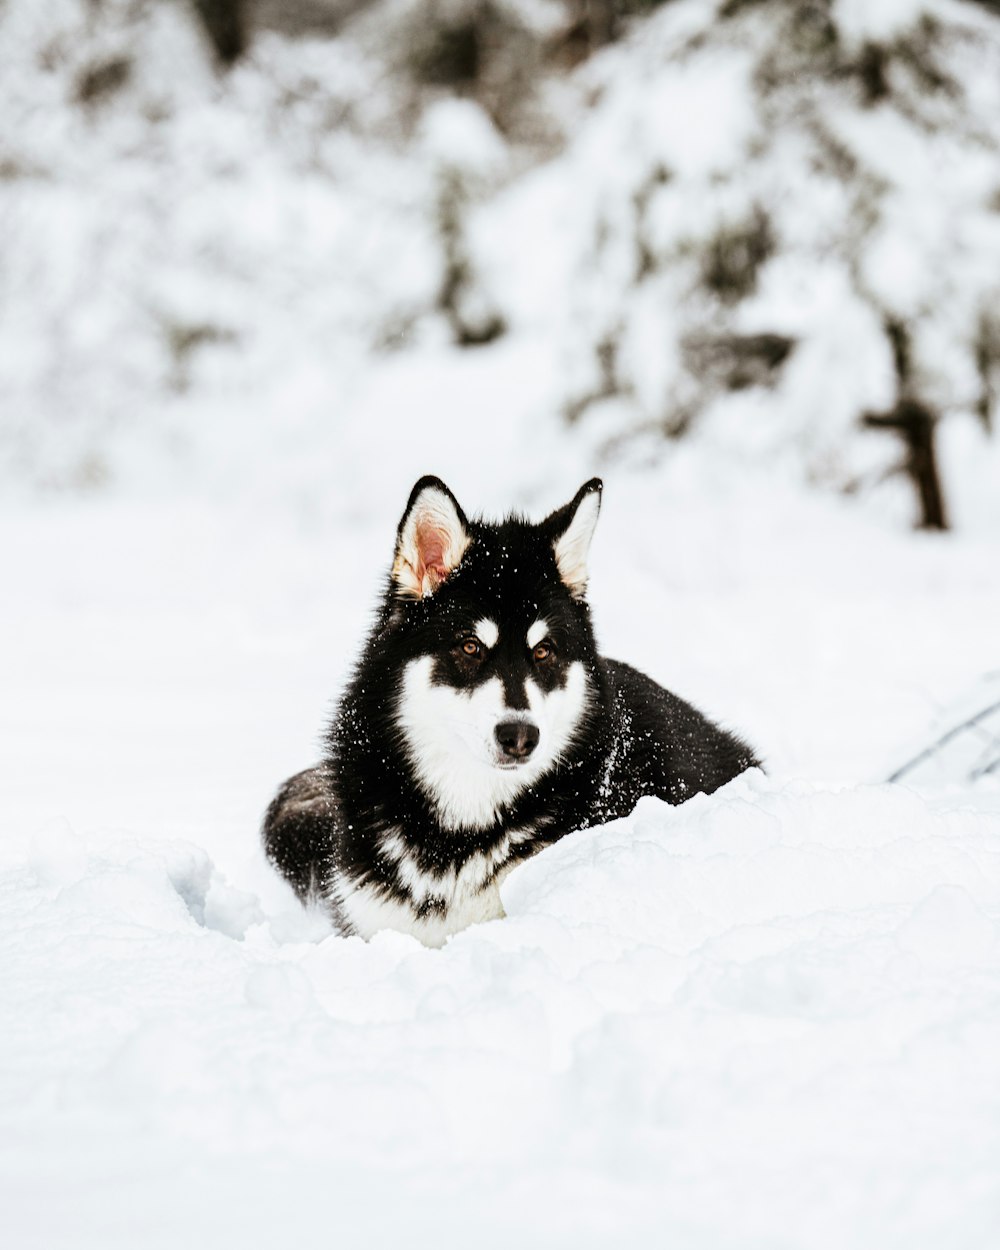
480	726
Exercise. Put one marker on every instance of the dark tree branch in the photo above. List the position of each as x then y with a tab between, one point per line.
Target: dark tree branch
950	736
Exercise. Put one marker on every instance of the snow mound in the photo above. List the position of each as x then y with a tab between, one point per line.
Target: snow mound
766	1018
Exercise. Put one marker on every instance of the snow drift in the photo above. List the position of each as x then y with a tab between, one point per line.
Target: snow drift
765	1018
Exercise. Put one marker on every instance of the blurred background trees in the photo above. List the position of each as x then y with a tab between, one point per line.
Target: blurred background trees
770	226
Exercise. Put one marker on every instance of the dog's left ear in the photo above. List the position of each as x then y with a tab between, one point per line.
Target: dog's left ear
431	539
571	529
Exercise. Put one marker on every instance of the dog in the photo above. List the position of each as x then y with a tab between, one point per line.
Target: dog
480	725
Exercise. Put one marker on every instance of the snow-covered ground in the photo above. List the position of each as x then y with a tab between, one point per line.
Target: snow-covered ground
766	1019
769	1018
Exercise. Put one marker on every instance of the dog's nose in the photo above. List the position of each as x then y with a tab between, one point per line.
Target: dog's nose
517	738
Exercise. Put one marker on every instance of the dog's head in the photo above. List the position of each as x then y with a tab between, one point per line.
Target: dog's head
498	652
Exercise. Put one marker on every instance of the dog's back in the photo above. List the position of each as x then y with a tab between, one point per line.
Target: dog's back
664	746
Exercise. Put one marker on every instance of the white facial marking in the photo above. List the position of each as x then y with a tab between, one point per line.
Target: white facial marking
487	632
450	740
557	714
536	633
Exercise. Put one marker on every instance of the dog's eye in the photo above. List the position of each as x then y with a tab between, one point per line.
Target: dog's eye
472	648
544	651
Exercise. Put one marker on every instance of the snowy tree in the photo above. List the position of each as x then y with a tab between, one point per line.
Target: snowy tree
786	234
770	225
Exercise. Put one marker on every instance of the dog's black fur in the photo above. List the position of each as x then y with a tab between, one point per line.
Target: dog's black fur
325	825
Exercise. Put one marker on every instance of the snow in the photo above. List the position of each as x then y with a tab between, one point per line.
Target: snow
861	22
458	133
769	1018
764	1018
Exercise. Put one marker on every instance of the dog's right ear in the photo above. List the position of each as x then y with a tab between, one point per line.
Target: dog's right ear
431	540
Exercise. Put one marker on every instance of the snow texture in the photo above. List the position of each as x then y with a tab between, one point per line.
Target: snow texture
765	1020
768	1018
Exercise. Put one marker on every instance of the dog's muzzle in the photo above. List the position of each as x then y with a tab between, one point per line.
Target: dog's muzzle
516	740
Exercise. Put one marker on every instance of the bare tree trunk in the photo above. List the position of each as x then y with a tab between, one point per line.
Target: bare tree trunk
915	423
224	20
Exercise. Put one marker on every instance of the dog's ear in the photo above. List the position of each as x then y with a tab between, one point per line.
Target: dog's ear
431	539
571	529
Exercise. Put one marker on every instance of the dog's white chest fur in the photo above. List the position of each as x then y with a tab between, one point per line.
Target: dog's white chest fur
437	904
